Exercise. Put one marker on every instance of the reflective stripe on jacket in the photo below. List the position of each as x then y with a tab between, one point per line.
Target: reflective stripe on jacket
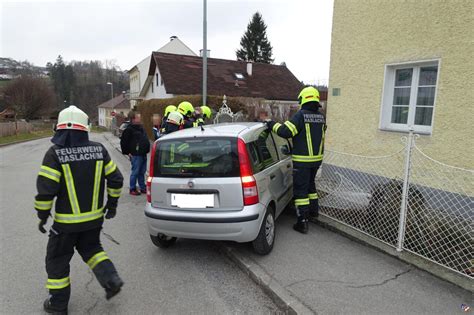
77	178
307	128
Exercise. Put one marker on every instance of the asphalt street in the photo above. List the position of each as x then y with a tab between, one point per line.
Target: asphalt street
190	278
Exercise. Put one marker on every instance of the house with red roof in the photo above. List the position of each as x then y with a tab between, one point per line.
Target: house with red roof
170	75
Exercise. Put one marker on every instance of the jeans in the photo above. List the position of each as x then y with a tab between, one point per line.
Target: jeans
138	172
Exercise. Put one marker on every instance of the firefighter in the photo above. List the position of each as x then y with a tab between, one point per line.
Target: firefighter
174	122
76	171
307	128
187	110
169	109
201	116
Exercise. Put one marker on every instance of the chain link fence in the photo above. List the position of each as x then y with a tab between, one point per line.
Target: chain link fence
406	199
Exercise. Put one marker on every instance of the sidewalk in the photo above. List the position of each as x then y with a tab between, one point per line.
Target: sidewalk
331	274
113	140
326	273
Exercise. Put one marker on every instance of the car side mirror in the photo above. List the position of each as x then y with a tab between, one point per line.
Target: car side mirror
285	150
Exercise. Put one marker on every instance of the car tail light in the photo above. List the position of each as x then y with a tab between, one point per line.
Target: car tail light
148	188
150	175
249	184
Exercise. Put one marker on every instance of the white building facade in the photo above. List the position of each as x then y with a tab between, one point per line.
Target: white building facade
143	87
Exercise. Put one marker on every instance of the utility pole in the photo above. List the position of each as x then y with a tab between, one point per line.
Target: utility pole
204	55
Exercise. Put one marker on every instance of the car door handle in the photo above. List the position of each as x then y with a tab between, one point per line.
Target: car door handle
288	165
272	177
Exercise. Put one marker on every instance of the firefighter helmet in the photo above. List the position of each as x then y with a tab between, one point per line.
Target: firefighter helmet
206	112
72	118
308	94
175	118
169	109
186	108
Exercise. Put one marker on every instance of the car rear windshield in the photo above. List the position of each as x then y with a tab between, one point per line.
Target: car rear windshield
203	157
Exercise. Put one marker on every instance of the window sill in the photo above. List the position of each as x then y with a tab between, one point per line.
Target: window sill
405	130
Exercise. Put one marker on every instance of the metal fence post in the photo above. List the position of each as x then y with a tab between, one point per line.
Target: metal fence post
406	184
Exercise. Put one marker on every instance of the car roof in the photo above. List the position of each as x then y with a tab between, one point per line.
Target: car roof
217	130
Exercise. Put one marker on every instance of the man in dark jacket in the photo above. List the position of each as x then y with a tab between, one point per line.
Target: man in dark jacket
76	172
134	143
307	128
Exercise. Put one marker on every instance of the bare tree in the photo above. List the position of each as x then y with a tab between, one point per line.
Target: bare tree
31	97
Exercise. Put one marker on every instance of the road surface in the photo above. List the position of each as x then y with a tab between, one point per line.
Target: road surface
191	277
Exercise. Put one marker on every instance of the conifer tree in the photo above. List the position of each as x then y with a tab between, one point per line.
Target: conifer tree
255	45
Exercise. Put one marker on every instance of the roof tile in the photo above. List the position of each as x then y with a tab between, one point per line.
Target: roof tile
182	75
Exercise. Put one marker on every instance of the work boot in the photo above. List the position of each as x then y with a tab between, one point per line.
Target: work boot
301	225
50	309
113	286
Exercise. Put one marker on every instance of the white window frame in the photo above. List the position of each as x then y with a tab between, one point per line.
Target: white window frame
387	97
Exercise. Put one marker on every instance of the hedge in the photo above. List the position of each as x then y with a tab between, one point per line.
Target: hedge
151	107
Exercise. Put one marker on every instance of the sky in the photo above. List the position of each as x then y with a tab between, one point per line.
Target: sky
127	31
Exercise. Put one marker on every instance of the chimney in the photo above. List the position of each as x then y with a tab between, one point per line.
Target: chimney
249	69
208	53
173	38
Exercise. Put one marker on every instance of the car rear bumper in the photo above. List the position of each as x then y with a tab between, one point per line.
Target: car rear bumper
239	226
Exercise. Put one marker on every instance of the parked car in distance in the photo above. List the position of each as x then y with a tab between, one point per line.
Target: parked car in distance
223	182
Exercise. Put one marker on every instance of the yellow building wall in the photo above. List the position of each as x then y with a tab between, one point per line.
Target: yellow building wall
367	35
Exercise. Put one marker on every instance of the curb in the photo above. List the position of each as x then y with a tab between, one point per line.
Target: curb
280	296
111	143
22	141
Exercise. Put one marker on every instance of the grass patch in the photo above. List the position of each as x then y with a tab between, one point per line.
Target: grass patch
38	134
98	129
26	136
4	83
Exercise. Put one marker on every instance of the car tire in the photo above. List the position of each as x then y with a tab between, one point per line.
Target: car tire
263	244
162	240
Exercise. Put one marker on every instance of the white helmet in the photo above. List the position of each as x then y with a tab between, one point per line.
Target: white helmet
72	118
175	118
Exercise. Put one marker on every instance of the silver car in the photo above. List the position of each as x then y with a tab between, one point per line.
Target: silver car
223	182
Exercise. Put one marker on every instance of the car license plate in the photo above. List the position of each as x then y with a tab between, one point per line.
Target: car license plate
192	200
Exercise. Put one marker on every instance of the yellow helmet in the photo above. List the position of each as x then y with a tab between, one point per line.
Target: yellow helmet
72	118
169	109
206	111
308	94
186	108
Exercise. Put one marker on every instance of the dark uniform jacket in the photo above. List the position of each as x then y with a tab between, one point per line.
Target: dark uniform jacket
170	127
188	122
199	121
134	140
76	177
307	128
164	122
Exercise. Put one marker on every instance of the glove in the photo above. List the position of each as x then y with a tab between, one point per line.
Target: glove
41	224
269	124
111	212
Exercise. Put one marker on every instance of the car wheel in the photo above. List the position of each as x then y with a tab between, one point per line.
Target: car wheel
263	244
162	240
